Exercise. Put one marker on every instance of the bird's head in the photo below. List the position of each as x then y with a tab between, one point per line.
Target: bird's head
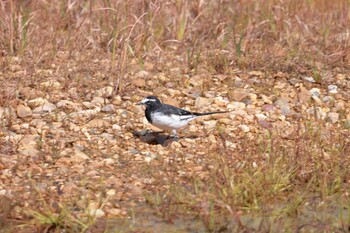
150	101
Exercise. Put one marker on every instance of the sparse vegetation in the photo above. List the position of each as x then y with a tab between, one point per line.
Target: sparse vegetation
71	71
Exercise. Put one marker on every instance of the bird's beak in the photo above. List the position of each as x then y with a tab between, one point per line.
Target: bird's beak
140	103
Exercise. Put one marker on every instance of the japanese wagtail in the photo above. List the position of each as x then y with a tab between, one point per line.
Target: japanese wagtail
168	117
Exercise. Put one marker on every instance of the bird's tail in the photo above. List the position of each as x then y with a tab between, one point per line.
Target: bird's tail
209	113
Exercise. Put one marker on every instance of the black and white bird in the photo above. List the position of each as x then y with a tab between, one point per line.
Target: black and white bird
168	117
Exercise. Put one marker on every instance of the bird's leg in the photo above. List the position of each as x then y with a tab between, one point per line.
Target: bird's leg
174	134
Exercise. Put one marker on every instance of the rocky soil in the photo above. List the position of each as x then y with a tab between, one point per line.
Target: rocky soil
69	135
78	155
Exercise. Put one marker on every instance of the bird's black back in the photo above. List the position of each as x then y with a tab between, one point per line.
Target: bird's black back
166	109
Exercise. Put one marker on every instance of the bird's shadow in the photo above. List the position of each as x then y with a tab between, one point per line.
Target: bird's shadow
156	138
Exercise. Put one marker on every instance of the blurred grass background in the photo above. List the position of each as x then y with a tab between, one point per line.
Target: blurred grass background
287	35
307	175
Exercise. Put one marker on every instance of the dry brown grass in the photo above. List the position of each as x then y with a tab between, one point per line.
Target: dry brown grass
277	181
265	35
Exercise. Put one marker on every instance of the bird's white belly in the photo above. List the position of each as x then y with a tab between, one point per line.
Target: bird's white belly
170	122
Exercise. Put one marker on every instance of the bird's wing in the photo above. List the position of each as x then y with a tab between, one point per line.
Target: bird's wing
182	113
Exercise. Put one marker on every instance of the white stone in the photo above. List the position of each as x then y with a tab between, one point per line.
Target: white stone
108	108
333	117
65	103
315	92
98	213
320	113
230	145
48	107
37	102
116	127
244	128
260	116
309	79
201	102
104	92
333	89
98	101
53	84
327	99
